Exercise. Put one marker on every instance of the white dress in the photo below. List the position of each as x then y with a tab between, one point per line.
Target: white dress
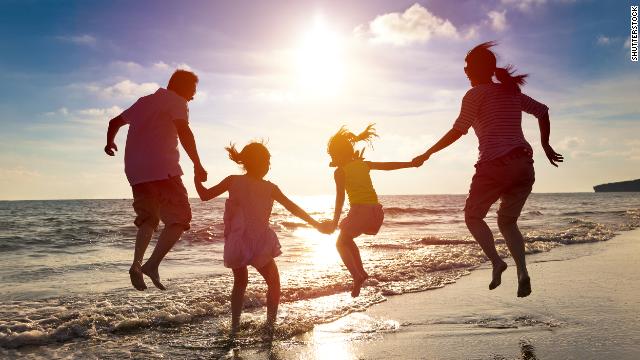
248	239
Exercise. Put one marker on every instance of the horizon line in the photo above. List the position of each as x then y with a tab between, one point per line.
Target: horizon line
224	197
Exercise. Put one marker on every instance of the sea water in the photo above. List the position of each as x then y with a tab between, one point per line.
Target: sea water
65	291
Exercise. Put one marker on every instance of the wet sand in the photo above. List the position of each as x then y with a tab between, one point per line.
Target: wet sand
585	305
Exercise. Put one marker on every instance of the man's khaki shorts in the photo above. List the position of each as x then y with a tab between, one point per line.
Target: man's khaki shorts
508	178
165	200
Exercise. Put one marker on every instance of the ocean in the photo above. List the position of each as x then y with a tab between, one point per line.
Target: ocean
65	291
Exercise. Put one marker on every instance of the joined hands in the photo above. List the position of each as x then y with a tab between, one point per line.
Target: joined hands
326	227
420	159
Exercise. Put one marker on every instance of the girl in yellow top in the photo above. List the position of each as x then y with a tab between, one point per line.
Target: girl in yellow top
365	214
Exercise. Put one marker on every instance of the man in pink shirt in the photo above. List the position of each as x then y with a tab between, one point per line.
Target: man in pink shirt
156	123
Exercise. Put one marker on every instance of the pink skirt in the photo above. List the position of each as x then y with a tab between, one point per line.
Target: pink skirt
363	219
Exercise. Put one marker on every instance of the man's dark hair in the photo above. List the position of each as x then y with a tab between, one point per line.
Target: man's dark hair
182	80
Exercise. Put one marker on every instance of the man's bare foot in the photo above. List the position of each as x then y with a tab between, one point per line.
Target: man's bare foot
137	280
357	285
496	280
524	286
152	273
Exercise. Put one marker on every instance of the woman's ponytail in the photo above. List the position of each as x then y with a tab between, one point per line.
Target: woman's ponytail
506	77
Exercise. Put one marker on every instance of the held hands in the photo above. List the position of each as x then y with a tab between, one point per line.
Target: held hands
200	174
553	156
420	159
326	227
110	148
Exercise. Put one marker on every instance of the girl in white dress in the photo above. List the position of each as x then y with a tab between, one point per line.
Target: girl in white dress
248	238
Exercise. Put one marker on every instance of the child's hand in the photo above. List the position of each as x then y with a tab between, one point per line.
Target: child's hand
326	227
419	160
200	174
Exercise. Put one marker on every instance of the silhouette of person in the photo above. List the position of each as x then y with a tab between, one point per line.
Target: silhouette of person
505	166
156	123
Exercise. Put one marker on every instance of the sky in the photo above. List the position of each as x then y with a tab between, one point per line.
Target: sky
291	73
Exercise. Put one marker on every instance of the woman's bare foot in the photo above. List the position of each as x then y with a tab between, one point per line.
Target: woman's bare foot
269	330
357	284
137	280
152	273
498	269
524	286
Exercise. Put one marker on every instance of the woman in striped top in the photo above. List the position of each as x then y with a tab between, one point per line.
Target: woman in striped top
505	166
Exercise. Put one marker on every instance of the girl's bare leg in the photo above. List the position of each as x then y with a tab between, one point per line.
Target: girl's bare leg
350	255
240	280
271	275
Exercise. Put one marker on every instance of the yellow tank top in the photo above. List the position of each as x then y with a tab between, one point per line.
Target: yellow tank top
358	183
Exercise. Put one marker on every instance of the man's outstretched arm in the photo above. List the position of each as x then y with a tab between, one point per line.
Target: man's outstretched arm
189	144
114	125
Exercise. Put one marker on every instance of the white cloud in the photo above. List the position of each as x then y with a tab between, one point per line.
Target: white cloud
161	65
88	116
526	5
627	43
125	66
498	19
84	39
414	25
570	143
98	113
61	111
19	172
603	40
125	89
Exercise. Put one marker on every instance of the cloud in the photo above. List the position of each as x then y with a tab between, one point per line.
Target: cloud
88	116
498	19
130	66
17	172
125	89
526	5
84	39
571	143
93	114
61	111
603	40
161	65
627	43
414	25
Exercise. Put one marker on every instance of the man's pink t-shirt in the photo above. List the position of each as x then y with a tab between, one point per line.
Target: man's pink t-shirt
151	152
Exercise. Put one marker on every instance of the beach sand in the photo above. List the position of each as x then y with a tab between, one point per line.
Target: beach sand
585	305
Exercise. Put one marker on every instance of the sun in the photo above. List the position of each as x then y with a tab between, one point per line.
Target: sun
319	60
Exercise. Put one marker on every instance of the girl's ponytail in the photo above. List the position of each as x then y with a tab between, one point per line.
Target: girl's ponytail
341	143
505	76
366	135
234	155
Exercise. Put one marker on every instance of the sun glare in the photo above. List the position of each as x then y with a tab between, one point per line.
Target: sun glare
322	248
319	60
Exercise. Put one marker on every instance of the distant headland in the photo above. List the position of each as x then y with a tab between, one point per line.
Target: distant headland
622	186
